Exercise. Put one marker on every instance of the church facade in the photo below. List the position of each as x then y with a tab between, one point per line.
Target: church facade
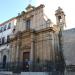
36	40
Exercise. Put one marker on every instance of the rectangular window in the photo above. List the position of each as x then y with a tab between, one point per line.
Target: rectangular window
1	29
8	39
0	41
4	27
3	40
28	24
9	25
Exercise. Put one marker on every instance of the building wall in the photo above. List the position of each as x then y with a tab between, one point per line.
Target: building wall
69	46
40	40
36	17
44	46
5	47
41	46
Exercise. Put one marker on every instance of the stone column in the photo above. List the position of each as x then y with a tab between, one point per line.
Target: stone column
32	52
18	51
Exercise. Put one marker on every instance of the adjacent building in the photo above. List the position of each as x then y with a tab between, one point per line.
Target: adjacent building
69	48
6	29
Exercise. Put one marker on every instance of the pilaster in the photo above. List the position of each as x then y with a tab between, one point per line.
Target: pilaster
32	52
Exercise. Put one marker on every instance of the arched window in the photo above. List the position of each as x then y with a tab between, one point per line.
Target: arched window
4	61
60	19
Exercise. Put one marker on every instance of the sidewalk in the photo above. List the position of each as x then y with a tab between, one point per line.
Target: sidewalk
8	73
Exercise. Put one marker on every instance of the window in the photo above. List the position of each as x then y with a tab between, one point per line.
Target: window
28	24
8	39
1	29
0	41
9	25
4	27
14	29
3	40
60	19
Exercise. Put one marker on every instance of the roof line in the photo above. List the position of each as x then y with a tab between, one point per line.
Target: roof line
7	21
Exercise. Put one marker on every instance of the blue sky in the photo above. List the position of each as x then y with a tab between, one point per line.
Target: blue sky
11	8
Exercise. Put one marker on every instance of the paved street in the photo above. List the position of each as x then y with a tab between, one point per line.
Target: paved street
10	74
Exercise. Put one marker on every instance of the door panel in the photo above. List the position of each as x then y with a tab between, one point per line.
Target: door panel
25	61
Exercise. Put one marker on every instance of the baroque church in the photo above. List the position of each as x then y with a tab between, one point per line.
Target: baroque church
37	40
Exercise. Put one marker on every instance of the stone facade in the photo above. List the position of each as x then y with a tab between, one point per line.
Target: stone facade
39	44
36	39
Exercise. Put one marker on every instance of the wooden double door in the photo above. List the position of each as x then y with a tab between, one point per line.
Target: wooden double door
26	58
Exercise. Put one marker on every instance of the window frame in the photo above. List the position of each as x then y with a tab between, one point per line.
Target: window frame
3	40
0	41
2	29
8	38
9	26
28	23
5	27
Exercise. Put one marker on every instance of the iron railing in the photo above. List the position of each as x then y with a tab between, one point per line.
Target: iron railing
47	66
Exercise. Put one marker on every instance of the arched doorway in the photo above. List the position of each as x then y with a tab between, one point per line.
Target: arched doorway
4	61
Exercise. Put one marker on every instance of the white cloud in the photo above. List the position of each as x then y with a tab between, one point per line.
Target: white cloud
66	5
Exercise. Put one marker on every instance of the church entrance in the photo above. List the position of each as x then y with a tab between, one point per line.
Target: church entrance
26	56
4	61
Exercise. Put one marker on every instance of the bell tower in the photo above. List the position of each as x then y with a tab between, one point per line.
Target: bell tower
60	18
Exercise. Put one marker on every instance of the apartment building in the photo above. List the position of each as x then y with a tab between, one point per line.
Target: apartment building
6	29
